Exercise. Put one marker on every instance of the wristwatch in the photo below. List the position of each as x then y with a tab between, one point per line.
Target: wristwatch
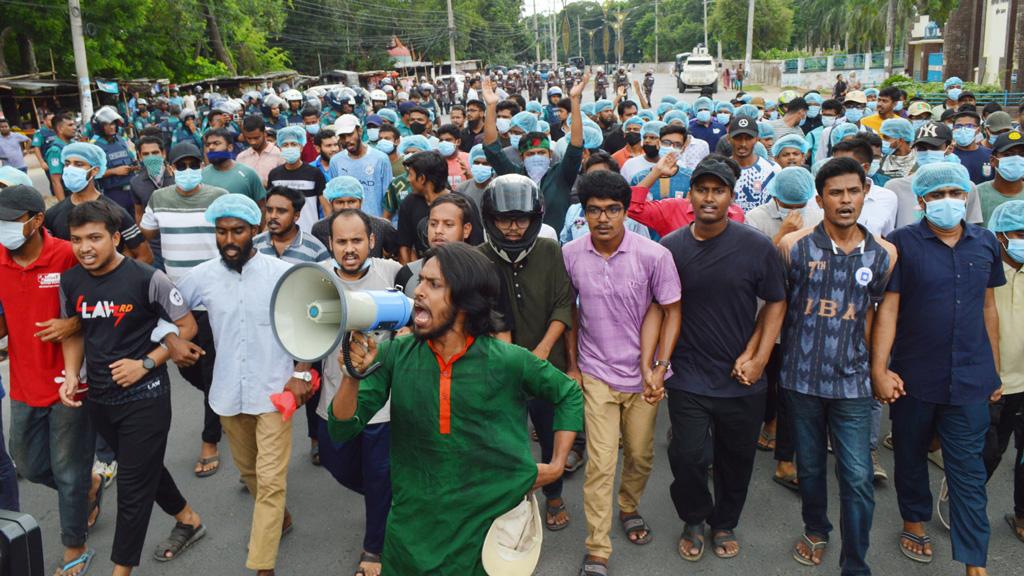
665	363
148	363
304	376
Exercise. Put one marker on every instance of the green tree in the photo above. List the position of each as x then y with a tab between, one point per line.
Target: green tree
773	25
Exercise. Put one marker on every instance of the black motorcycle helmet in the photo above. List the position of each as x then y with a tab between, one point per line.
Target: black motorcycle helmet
512	195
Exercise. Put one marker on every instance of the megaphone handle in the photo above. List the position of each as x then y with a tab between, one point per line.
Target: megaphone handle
345	341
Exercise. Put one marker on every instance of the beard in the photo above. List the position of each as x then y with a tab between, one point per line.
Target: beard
236	262
447	321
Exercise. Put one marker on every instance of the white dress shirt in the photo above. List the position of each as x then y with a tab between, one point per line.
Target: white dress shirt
879	212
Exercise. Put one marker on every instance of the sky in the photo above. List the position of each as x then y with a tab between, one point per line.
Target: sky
543	5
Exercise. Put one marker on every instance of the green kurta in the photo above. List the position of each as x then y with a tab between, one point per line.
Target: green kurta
449	487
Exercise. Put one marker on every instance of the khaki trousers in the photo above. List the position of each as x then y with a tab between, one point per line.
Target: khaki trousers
607	414
261	446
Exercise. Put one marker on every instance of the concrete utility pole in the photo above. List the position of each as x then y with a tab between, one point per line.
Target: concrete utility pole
451	37
579	38
656	32
81	64
554	41
706	24
890	35
536	32
750	36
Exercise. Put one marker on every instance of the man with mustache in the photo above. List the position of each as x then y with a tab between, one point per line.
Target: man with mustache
368	165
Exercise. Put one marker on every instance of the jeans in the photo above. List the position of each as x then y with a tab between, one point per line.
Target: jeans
876	423
542	414
8	476
1006	422
848	422
54	446
776	408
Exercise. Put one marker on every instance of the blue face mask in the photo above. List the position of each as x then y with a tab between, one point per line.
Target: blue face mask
875	165
514	139
827	121
291	154
703	116
773	115
312	129
898	106
386	146
75	179
854	115
536	166
802	121
188	179
872	105
925	157
665	151
503	124
954	94
446	148
373	134
1011	168
992	139
813	111
916	124
1015	248
481	173
963	136
945	213
12	234
886	148
722	117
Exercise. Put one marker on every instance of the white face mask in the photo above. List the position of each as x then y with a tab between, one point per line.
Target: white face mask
12	235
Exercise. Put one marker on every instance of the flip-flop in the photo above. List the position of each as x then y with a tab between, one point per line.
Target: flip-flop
202	464
763	440
85	558
555	511
693	535
1011	519
812	546
97	506
574	461
921	541
787	481
633	523
367	557
718	540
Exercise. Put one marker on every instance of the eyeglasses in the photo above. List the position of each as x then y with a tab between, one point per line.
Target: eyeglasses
968	126
611	211
517	221
186	164
671	144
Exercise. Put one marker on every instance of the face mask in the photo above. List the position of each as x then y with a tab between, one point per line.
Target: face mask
954	94
188	179
1015	248
312	129
373	134
514	139
992	139
813	111
665	151
75	179
386	146
916	124
898	107
536	166
216	157
481	173
854	115
418	127
925	157
886	148
651	150
773	115
872	106
875	165
1011	168
12	235
633	138
802	121
722	117
446	148
704	116
827	121
963	136
154	165
945	213
291	154
504	124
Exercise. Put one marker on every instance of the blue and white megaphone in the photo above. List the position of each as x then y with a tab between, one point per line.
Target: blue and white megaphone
311	313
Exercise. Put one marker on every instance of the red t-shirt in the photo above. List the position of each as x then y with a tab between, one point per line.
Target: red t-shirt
30	295
667	215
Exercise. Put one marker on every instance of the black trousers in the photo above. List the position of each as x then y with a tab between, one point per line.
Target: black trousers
1007	421
200	375
735	424
137	431
776	408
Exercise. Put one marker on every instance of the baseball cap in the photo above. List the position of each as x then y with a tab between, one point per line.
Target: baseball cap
757	101
184	150
918	108
966	94
967	110
743	125
374	120
998	121
513	542
1003	143
717	168
934	133
17	200
346	124
856	96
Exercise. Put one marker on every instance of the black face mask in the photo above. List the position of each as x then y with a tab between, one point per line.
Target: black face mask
633	138
651	150
418	127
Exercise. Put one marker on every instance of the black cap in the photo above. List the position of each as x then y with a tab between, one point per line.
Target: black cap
966	94
17	200
947	114
934	133
184	150
717	168
1008	140
743	125
967	110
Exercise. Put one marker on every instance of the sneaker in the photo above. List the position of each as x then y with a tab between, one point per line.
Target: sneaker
942	504
880	475
107	471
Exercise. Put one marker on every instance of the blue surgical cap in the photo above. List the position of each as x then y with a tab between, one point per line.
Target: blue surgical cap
748	110
544	127
952	81
702	103
293	133
790	141
769	104
634	121
765	130
1007	217
727	106
476	153
814	98
11	176
525	121
415	141
587	109
602	105
683	106
669	99
592	137
932	177
745	98
234	206
663	108
761	151
898	128
534	107
871	92
90	153
653	127
388	114
793	185
674	115
343	187
647	115
842	131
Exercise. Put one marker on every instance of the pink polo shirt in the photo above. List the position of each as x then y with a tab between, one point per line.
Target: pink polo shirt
455	167
262	162
613	297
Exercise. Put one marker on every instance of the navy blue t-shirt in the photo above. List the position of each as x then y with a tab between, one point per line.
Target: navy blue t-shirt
975	161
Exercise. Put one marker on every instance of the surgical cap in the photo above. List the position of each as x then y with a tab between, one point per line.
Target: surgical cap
476	153
663	108
11	176
669	99
525	121
675	115
952	81
592	137
90	153
761	151
748	110
388	114
293	133
634	121
652	127
790	141
343	187
684	106
534	107
602	105
842	131
932	177
726	106
765	130
647	115
1007	217
415	141
813	98
871	92
745	98
702	103
792	185
769	104
234	206
898	128
587	109
544	127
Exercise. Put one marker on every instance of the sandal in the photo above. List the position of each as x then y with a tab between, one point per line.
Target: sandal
574	461
314	454
812	547
693	535
719	538
766	442
181	538
96	507
591	568
633	524
788	481
203	462
367	557
1016	525
555	511
85	560
922	541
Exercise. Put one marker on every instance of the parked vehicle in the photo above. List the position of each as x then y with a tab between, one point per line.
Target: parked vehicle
699	71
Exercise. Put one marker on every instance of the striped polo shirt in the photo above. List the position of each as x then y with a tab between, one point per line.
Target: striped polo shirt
304	248
824	352
186	238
